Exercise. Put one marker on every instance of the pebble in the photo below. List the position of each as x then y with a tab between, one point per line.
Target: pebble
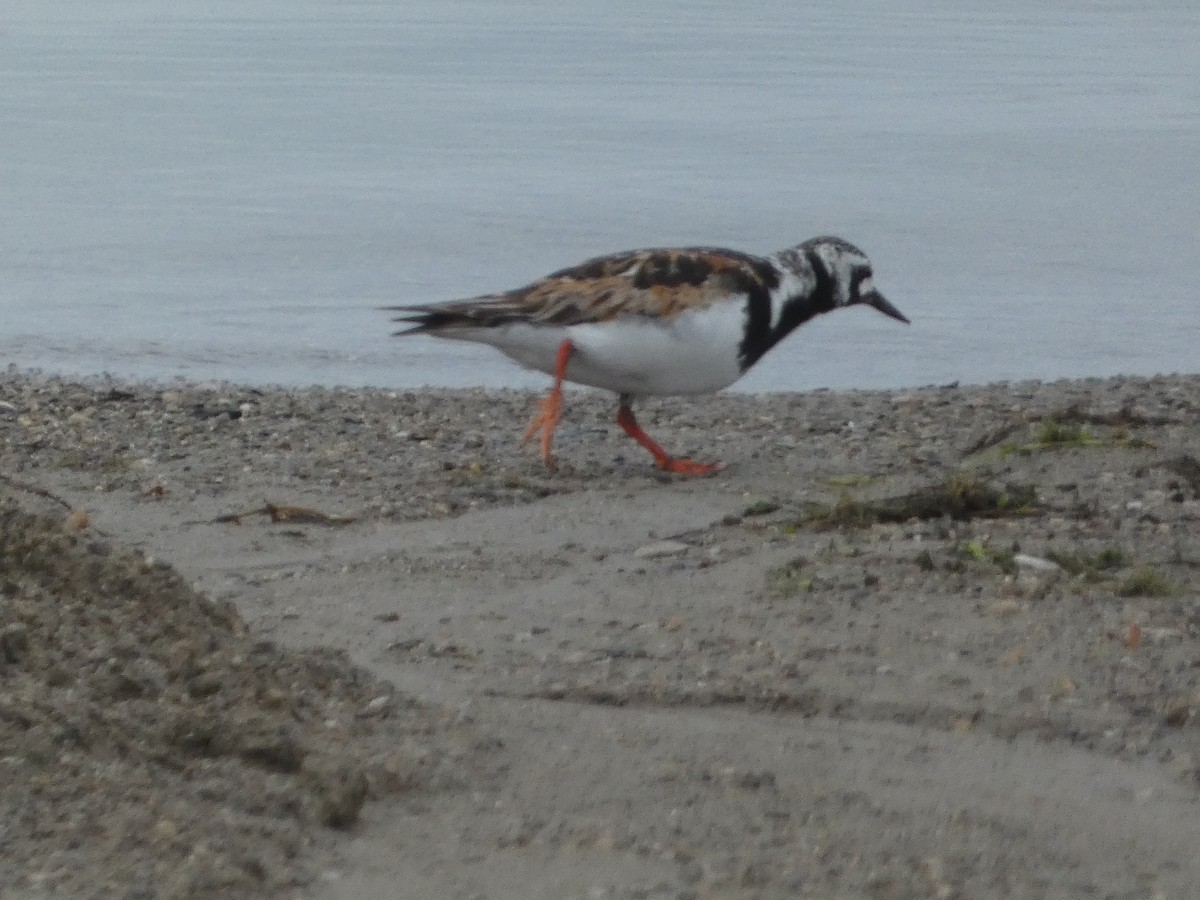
1176	712
660	549
76	520
1036	563
14	641
377	706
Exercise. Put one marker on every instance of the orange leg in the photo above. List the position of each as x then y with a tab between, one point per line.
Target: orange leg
550	407
664	460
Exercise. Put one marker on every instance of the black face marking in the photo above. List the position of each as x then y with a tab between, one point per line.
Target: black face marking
760	336
822	295
857	277
757	339
756	279
821	299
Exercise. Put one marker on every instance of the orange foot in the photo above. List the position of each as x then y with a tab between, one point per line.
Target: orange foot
550	407
684	466
546	420
664	460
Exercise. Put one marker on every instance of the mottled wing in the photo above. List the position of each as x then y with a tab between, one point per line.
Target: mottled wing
658	283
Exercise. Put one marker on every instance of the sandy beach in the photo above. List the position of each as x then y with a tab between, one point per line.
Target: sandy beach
336	644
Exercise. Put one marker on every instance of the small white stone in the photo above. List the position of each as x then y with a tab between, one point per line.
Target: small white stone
1036	563
377	705
660	549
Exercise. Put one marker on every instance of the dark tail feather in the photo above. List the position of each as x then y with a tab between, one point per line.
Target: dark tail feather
425	319
415	329
458	314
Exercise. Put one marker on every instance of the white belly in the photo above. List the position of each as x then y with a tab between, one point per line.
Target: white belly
692	353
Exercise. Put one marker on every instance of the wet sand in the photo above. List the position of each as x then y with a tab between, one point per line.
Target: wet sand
927	643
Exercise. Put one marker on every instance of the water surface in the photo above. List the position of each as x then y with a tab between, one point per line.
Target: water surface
228	190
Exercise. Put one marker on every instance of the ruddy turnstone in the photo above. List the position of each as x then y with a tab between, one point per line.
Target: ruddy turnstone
662	321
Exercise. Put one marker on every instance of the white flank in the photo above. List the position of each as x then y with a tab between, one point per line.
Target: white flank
695	352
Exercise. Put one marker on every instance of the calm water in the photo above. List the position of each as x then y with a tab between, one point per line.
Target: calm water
228	189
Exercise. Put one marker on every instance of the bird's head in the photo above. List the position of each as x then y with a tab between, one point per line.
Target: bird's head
849	275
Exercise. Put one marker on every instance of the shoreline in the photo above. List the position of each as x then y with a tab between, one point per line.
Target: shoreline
14	370
990	701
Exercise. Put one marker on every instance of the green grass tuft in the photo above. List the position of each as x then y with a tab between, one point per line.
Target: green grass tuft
788	579
1146	582
761	507
1090	567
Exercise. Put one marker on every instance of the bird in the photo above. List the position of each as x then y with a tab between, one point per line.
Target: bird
655	322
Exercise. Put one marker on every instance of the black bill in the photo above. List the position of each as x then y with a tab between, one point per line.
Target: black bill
879	302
